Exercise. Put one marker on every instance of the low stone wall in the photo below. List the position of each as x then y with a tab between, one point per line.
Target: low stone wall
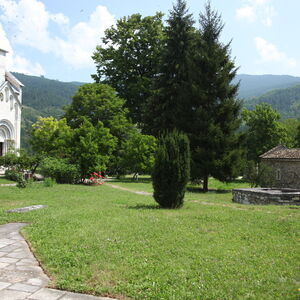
266	196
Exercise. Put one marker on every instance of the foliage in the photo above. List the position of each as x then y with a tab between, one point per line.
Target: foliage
138	153
171	170
21	163
60	169
42	97
264	131
12	174
128	59
297	144
259	174
215	110
292	127
92	147
49	182
21	181
99	103
286	101
51	137
166	108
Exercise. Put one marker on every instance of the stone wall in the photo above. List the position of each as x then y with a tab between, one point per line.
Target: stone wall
286	172
266	196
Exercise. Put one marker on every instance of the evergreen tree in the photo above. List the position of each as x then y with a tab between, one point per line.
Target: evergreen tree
171	170
166	108
214	109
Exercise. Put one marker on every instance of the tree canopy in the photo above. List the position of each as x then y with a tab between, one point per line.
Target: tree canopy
264	131
129	57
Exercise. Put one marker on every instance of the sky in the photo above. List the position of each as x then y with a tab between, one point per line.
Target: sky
56	38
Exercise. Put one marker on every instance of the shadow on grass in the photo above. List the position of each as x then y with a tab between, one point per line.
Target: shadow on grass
200	190
144	206
130	180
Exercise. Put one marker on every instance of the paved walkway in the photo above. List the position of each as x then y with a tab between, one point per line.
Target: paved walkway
128	190
21	277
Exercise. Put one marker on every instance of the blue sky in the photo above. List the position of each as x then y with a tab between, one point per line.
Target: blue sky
56	38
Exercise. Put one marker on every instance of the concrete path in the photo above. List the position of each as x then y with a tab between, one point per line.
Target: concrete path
21	277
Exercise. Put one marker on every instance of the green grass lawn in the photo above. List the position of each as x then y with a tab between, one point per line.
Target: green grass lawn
3	180
144	184
104	241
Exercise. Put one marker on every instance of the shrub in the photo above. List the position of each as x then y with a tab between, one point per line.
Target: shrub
21	181
171	170
60	170
12	174
49	182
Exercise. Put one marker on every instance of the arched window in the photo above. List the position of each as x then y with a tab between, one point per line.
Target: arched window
6	94
1	97
16	112
11	98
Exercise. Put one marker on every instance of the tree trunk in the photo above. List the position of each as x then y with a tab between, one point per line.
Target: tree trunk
205	184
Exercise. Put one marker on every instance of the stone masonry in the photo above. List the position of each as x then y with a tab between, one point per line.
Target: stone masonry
266	196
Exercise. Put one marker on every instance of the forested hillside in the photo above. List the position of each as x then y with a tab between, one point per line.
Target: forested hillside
43	97
285	101
257	85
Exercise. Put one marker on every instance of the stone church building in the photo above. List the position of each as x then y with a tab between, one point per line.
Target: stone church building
285	166
10	108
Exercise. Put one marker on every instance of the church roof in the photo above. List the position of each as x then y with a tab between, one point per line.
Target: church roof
282	152
13	80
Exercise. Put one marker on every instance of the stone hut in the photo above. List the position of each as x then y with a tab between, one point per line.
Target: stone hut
285	163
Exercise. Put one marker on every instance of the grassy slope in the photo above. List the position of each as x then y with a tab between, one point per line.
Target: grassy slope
109	242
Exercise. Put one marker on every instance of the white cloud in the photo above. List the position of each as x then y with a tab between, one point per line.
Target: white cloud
29	24
257	10
269	53
246	12
18	63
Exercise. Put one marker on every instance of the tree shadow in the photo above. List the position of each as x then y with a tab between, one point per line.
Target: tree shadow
145	206
201	191
130	180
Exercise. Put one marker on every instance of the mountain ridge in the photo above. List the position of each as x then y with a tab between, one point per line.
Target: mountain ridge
47	97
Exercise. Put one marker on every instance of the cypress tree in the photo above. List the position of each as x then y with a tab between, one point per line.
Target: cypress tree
171	170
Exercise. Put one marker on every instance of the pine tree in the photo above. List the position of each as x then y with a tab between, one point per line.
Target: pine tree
171	170
214	108
165	109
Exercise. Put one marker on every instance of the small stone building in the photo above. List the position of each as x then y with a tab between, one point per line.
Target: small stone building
285	165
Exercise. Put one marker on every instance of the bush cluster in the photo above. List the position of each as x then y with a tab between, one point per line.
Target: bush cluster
60	170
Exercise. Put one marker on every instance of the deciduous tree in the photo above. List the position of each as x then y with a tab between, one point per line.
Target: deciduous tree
264	131
128	59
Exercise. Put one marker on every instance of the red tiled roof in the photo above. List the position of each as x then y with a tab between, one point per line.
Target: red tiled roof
282	152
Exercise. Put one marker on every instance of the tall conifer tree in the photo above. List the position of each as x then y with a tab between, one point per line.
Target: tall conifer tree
215	111
165	109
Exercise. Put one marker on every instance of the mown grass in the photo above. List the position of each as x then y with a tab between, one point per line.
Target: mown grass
105	241
144	183
3	180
